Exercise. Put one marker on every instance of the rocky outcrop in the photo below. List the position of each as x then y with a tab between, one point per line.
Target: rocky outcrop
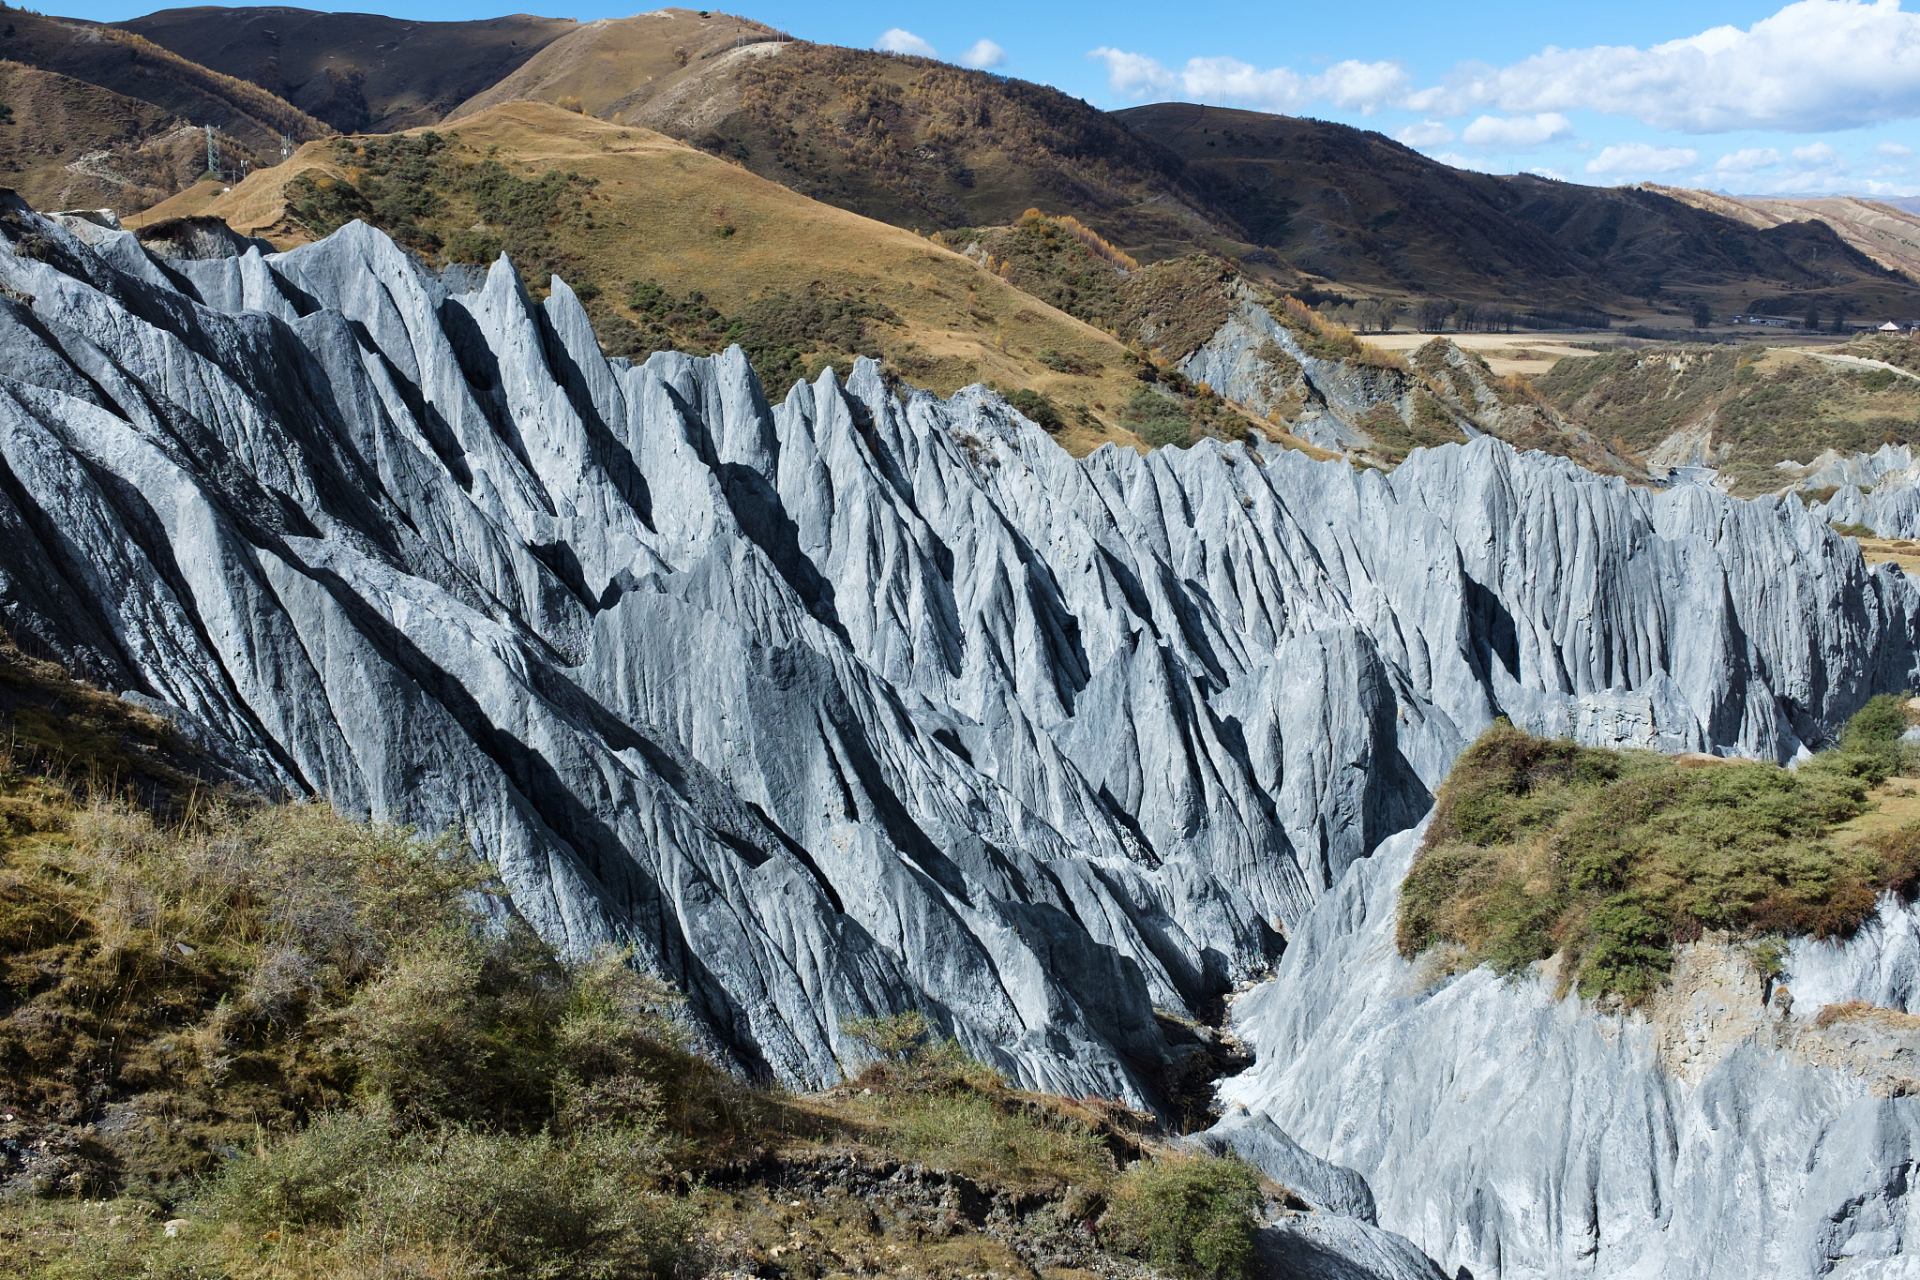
1880	490
857	702
1518	1133
1381	407
1258	361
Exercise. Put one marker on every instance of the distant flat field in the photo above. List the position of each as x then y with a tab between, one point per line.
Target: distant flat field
1898	551
1504	353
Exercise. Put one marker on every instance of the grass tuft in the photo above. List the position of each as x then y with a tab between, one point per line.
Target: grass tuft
1544	847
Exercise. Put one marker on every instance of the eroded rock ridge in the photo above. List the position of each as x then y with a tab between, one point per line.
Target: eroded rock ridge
861	701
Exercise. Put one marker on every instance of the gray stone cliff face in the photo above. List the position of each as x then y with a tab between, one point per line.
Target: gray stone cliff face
1518	1134
1880	489
851	703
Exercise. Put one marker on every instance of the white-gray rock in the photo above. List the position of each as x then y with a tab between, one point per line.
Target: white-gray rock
1518	1134
858	702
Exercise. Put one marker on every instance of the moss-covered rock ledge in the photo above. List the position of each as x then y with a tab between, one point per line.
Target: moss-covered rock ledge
1611	858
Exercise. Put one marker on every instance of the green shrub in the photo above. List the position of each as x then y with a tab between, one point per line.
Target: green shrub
1038	409
531	1205
912	1058
1539	847
1191	1218
536	1206
1159	420
895	1037
318	1178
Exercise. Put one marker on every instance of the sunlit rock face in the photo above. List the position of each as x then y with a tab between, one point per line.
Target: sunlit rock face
858	702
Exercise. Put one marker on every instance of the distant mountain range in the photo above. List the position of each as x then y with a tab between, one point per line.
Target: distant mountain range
1318	209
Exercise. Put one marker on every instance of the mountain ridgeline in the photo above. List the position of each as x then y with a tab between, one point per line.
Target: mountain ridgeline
1297	204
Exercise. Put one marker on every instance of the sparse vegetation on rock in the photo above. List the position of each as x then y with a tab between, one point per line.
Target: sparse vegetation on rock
1608	858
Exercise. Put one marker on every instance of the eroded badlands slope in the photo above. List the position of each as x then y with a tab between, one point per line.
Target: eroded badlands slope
850	702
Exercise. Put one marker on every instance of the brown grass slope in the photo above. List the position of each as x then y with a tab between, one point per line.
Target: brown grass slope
1362	210
68	144
925	145
611	67
134	67
358	72
1885	233
1743	410
627	205
909	141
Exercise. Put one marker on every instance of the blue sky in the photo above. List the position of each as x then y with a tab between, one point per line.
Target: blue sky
1815	96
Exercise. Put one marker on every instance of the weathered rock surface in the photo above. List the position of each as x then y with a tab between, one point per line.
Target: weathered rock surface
1255	1138
1315	1246
1440	394
1880	489
853	703
1518	1134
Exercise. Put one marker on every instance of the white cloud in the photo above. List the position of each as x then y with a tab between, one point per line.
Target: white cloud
985	55
1545	172
1642	157
1231	80
1362	86
1367	86
1747	160
1893	149
1819	155
1428	133
1133	75
1516	133
1814	65
897	40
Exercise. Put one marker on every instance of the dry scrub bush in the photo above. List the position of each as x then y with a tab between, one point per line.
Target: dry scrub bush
1188	1217
943	1107
1538	847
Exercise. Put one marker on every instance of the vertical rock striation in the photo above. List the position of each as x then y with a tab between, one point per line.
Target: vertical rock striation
856	702
1518	1134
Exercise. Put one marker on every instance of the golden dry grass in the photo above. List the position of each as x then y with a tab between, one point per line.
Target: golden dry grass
1898	551
959	323
613	67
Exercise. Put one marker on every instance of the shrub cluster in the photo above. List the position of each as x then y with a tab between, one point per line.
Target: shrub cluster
1541	847
1189	1218
784	335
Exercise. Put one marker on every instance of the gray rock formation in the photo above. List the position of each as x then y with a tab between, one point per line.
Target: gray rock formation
1255	1138
1518	1134
1880	489
863	701
1314	1246
1441	393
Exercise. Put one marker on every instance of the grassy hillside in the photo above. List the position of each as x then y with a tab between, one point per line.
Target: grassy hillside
1360	209
1885	233
134	67
1609	858
357	72
1742	410
615	67
251	1040
66	144
672	247
909	141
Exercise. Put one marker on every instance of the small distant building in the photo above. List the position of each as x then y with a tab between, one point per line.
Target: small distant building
1890	327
